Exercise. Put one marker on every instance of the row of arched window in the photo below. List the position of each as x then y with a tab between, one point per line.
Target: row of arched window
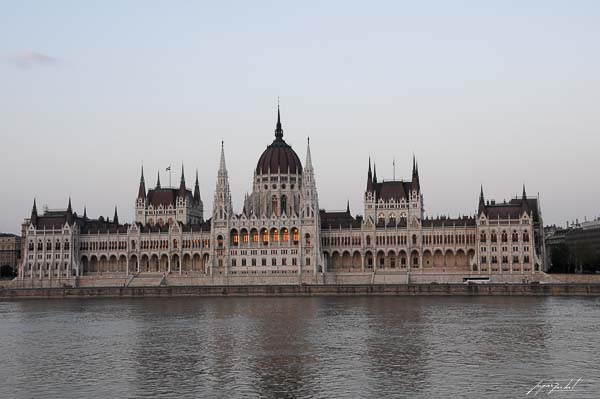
265	236
57	245
504	236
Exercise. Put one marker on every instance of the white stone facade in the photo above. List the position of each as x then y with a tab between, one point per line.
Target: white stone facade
281	232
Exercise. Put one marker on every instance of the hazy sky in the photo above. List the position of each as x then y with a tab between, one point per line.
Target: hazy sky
495	93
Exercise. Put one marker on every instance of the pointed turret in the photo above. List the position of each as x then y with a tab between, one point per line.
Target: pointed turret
142	188
525	201
69	212
369	178
222	207
278	129
481	208
158	180
84	212
182	188
116	216
416	185
348	207
197	198
34	214
374	174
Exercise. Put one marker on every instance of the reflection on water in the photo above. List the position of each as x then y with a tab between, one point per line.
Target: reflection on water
296	347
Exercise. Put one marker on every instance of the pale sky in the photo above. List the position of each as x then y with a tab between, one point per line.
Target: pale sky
494	93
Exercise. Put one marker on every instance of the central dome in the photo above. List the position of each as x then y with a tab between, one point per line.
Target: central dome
279	157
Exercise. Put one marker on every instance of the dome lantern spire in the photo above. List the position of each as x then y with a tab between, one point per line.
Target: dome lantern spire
278	129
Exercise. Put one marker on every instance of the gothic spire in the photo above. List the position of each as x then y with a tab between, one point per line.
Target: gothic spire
158	180
142	188
116	216
369	178
308	163
524	201
84	212
197	189
278	129
182	188
416	185
222	167
69	212
481	208
34	214
348	207
374	173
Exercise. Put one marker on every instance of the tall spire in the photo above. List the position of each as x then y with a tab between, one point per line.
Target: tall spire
416	185
197	189
34	214
69	212
481	208
369	178
278	129
308	163
524	201
374	173
182	188
116	216
222	167
158	180
142	188
222	207
84	212
348	207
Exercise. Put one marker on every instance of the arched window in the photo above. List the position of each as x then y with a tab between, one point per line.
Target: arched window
283	204
483	237
244	237
414	239
493	237
275	234
525	236
219	241
31	245
381	218
368	240
265	236
274	205
285	235
235	239
295	235
504	236
175	244
254	236
307	238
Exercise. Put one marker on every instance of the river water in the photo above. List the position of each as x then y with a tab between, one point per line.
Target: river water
324	347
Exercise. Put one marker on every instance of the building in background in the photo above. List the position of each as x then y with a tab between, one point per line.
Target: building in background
10	254
282	232
574	249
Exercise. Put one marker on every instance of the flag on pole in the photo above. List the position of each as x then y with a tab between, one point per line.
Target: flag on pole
168	169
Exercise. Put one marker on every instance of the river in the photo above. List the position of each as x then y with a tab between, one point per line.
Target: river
299	347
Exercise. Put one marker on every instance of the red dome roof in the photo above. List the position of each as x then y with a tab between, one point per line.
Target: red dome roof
279	156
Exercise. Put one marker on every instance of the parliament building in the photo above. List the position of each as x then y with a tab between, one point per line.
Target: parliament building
282	235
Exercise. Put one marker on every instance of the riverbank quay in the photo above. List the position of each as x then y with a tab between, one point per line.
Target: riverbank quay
533	289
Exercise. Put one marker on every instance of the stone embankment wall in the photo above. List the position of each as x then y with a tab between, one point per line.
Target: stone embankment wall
535	289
